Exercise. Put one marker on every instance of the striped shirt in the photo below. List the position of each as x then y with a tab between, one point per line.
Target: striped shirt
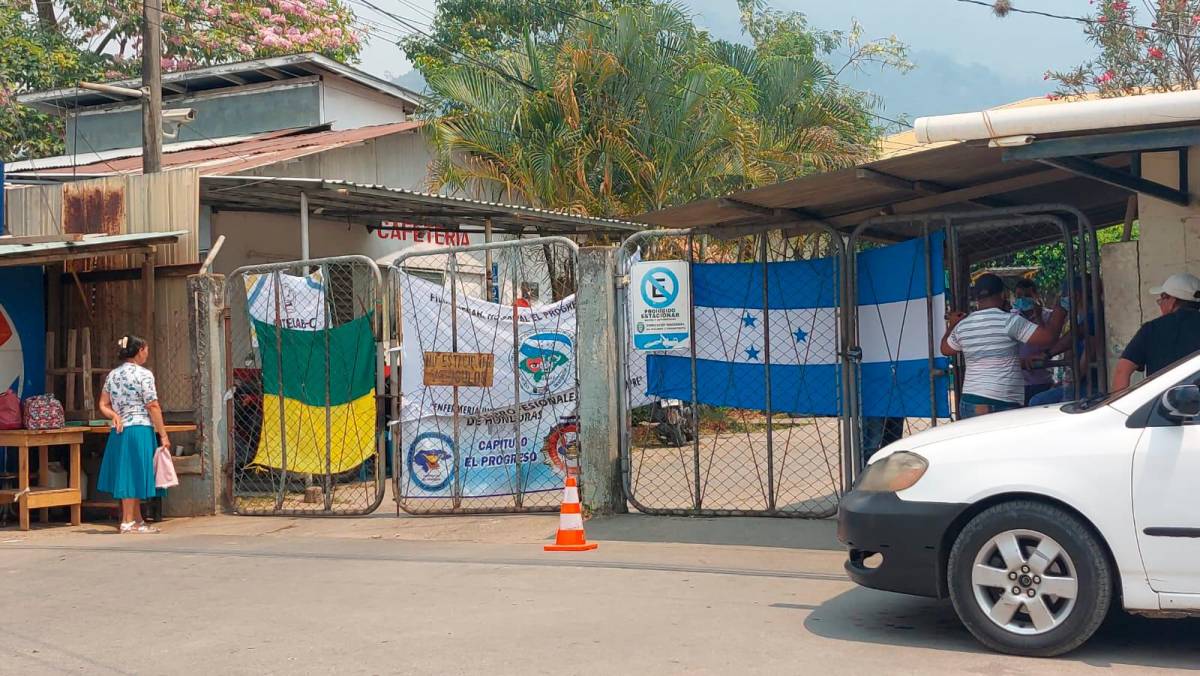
990	341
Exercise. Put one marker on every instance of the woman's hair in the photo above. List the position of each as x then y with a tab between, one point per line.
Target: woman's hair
129	345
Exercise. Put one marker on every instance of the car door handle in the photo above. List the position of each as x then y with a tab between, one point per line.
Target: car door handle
1172	532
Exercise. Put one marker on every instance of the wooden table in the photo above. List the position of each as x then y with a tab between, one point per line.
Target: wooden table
42	496
105	429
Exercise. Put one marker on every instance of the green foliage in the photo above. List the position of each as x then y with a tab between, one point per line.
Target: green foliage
1152	49
1050	261
619	110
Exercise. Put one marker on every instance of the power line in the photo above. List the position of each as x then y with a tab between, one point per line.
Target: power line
1083	19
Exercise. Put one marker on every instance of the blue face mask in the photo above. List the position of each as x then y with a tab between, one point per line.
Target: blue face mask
1023	304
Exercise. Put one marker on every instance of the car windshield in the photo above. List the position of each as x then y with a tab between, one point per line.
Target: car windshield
1100	400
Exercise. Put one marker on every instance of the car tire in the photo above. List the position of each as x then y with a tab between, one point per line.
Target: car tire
1025	617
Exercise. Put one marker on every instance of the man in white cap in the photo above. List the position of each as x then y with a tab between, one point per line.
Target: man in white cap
1163	341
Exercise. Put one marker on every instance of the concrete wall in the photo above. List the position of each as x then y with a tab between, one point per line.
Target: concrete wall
349	105
1169	242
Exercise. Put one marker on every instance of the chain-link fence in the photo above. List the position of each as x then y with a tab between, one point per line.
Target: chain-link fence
483	378
1038	256
744	418
304	374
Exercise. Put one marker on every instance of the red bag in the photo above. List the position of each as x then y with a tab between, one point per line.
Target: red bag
44	412
10	410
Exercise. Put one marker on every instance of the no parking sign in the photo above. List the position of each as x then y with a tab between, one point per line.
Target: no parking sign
659	305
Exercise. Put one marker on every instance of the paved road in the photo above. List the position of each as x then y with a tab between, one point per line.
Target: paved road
375	596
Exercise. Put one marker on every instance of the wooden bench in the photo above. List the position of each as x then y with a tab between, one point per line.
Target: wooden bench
42	496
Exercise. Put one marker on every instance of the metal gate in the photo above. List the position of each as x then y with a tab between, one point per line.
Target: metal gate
747	444
686	450
304	373
970	244
483	377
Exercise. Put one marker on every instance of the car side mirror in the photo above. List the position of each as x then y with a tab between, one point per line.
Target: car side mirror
1182	402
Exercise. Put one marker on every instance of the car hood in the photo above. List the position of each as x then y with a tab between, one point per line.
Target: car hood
984	424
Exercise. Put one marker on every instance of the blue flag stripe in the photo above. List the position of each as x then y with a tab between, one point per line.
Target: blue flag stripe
890	389
886	275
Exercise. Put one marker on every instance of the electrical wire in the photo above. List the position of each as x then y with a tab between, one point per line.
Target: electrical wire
1084	20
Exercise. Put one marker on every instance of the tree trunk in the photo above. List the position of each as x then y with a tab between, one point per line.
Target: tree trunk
45	12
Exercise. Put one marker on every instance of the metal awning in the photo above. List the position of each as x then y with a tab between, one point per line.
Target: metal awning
376	206
54	249
1094	171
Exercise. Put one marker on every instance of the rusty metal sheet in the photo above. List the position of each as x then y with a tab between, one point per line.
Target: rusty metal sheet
93	207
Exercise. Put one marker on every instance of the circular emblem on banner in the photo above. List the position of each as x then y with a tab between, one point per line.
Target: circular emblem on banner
12	358
431	461
546	361
660	287
562	444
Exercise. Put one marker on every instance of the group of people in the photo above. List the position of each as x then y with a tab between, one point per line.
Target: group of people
1006	345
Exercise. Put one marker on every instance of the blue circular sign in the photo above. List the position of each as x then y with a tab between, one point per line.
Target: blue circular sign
660	287
431	461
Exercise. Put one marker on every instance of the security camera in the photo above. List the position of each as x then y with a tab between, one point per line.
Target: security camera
174	117
178	116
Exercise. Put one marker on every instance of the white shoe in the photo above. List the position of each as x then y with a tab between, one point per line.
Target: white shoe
128	527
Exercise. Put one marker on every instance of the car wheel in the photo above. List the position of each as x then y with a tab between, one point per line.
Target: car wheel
1027	578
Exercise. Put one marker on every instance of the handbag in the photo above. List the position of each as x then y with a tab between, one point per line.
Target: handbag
44	412
164	469
10	410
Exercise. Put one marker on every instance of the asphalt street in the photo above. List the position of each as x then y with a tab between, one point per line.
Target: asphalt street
477	595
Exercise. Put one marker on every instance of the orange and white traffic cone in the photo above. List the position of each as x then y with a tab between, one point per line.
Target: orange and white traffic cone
570	536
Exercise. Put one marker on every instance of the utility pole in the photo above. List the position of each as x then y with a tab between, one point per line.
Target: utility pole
152	131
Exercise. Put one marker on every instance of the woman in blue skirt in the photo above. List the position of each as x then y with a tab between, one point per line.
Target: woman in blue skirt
130	401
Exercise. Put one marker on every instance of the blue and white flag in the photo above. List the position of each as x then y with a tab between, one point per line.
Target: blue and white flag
799	306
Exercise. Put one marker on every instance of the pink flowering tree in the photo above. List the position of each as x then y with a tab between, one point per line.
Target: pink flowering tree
57	43
1144	46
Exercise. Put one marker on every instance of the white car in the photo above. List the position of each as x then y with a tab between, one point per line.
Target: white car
1035	522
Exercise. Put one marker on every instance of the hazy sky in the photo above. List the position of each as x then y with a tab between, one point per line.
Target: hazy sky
966	58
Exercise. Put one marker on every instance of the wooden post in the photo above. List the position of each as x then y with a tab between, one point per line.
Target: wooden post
148	300
23	486
44	478
151	86
71	400
77	508
86	375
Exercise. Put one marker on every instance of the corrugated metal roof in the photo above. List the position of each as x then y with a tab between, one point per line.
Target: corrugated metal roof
196	80
370	204
230	158
87	245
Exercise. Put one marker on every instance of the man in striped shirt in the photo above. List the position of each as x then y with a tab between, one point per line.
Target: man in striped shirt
989	340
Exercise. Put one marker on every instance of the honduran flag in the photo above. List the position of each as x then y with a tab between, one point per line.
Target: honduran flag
800	310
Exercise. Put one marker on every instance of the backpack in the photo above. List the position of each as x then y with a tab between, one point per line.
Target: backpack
10	410
44	412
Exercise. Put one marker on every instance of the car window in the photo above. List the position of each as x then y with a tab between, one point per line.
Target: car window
1099	400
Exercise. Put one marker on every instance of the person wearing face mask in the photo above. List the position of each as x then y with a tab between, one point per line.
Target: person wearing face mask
1162	341
1028	304
989	340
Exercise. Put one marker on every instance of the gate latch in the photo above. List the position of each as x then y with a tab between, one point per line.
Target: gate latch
854	353
622	281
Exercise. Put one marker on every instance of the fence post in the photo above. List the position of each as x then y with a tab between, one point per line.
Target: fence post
206	295
596	338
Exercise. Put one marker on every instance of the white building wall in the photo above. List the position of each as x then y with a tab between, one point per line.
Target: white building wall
349	105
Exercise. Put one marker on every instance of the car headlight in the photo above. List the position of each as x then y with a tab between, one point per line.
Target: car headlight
894	473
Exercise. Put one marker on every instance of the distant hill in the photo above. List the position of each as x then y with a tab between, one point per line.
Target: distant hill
413	80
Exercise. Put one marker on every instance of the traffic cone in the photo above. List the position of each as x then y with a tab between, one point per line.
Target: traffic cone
570	536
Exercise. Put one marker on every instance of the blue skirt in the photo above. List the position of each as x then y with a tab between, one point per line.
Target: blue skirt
127	470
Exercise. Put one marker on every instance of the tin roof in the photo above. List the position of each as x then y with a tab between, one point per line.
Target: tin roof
274	69
28	251
372	204
227	156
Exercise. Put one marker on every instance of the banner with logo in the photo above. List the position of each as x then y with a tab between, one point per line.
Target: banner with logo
544	350
534	360
521	449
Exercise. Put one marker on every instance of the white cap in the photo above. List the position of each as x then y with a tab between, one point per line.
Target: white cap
1181	285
